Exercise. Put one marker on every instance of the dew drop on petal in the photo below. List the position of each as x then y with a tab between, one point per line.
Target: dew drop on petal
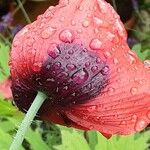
111	91
15	43
118	70
64	2
71	67
140	125
79	30
73	23
105	70
98	60
131	57
107	54
134	90
94	69
95	44
63	75
81	8
85	23
92	108
147	63
98	21
57	65
80	76
123	123
71	51
36	67
91	127
66	36
115	61
87	64
53	51
46	33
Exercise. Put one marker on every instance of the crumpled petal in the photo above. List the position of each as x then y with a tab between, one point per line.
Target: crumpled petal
123	106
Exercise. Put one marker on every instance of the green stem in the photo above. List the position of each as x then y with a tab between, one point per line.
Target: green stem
24	11
37	103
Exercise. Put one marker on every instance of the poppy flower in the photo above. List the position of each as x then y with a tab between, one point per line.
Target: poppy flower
77	54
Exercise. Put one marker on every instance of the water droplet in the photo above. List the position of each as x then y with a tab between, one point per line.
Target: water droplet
30	42
87	64
80	76
147	63
105	70
134	118
53	51
67	57
102	6
57	65
107	54
15	43
95	44
131	57
50	80
63	75
123	122
64	2
66	36
71	67
81	8
92	108
115	61
37	67
48	66
91	127
98	60
94	69
73	23
98	21
140	125
89	86
111	91
148	114
85	23
134	90
118	70
46	33
79	30
70	51
65	88
110	36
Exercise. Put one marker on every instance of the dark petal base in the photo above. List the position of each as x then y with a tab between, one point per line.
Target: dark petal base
72	75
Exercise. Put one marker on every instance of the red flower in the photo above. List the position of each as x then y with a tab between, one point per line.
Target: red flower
77	54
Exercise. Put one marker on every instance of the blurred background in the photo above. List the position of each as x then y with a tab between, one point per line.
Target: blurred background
14	15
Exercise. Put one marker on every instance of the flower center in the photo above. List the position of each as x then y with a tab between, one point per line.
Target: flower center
71	75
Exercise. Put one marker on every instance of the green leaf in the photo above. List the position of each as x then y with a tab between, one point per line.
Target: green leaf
135	142
141	54
72	141
4	60
36	141
6	108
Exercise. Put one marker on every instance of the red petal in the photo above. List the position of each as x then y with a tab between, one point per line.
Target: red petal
124	105
5	89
